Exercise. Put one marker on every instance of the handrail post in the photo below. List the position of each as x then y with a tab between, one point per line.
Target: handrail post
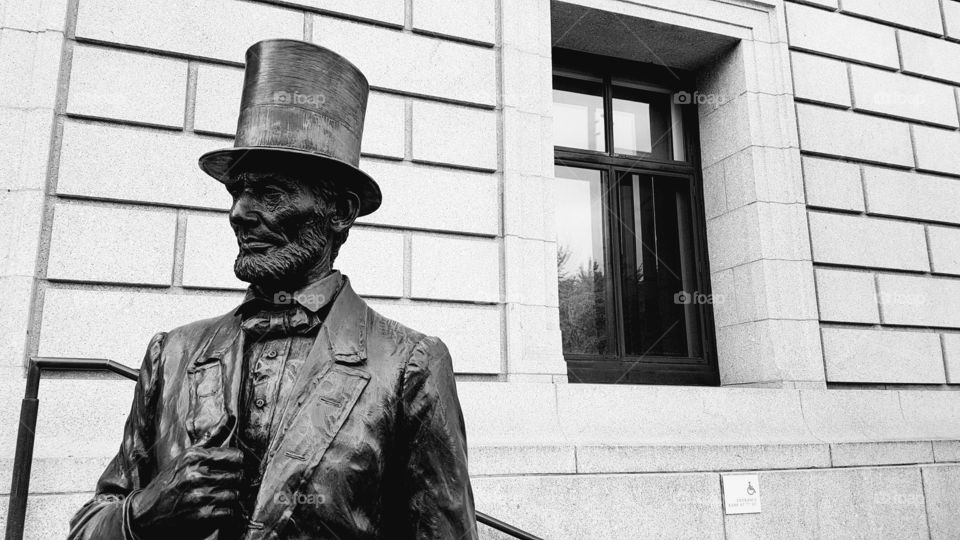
23	458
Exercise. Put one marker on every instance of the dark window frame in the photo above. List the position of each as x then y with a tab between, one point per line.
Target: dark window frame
620	367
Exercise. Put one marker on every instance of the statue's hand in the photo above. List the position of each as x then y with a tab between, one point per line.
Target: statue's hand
194	496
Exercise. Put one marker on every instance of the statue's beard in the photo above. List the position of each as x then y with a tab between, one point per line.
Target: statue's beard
286	264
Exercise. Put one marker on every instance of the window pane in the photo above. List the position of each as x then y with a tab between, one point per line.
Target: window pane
578	114
641	123
581	261
657	267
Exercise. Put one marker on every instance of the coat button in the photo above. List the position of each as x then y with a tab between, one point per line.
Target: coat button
271	353
260	402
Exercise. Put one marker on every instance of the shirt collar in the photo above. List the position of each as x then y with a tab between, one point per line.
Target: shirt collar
313	297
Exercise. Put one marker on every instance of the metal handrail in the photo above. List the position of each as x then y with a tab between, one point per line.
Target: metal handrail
23	458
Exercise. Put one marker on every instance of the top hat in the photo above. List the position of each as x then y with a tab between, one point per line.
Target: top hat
302	109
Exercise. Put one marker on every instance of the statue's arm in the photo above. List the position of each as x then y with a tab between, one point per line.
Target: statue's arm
133	466
438	497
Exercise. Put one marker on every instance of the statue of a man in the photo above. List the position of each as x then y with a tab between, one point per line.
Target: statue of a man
303	413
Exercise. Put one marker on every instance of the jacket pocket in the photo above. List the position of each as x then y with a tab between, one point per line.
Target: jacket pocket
207	408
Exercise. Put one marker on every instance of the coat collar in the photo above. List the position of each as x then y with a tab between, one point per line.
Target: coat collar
342	338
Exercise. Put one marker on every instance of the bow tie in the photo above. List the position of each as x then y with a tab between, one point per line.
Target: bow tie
278	324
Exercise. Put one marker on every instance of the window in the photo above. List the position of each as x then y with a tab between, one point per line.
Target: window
631	260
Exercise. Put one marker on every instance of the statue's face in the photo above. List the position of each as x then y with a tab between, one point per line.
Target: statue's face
282	227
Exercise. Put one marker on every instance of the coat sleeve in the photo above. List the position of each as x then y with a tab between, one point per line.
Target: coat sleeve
133	466
439	499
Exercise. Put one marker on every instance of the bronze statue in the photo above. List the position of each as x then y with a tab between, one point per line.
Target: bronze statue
303	413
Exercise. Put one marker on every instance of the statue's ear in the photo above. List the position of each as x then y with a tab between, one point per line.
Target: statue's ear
346	211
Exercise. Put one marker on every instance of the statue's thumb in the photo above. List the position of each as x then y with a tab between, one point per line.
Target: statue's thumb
218	435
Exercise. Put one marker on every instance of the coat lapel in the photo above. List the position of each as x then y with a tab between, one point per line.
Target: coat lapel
322	398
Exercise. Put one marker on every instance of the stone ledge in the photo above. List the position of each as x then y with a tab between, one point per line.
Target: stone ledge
537	428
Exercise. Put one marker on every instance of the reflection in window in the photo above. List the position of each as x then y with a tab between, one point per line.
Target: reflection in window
641	122
656	266
578	114
581	260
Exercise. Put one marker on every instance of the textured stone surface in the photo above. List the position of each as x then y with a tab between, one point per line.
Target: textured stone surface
374	261
454	135
922	54
882	356
951	359
951	17
771	352
47	515
112	244
845	134
846	296
23	210
840	35
919	300
578	507
15	319
534	343
623	415
861	416
388	11
645	459
931	413
477	351
29	68
70	328
412	63
935	149
217	102
820	79
209	253
107	83
946	451
384	128
511	414
839	503
920	14
206	28
904	96
941	483
425	197
911	195
24	148
471	19
944	249
143	165
451	268
494	460
881	453
858	241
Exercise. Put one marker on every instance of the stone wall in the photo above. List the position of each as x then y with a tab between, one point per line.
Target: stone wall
876	88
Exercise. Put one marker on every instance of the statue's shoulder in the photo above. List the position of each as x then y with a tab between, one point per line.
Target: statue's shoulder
385	328
417	345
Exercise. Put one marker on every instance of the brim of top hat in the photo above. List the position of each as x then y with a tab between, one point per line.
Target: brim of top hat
223	165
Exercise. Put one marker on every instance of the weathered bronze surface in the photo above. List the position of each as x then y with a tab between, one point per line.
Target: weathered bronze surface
303	413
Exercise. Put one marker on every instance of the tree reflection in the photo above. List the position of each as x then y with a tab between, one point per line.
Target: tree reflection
583	311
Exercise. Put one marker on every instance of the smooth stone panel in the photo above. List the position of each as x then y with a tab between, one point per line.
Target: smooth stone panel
837	503
941	486
611	507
